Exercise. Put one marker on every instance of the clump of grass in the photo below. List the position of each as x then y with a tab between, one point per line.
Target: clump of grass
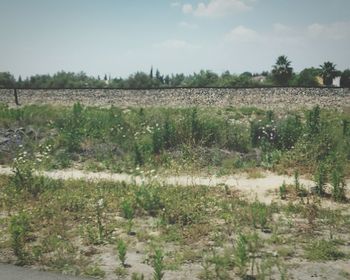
94	271
283	191
323	250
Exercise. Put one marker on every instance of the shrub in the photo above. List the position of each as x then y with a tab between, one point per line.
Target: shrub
289	131
149	200
72	128
19	230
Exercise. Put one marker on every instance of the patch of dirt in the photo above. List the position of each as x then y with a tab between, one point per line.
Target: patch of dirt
263	189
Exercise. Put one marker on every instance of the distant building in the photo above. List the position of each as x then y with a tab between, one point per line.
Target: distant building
336	82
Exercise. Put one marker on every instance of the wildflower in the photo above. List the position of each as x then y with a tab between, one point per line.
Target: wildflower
100	202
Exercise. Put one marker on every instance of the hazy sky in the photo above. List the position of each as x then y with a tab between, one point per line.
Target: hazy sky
120	37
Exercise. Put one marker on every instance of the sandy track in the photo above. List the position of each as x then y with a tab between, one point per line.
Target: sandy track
264	189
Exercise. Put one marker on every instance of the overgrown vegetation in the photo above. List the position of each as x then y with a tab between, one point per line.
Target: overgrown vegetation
216	140
227	235
69	225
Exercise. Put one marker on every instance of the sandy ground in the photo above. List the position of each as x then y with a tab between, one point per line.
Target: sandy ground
12	272
263	189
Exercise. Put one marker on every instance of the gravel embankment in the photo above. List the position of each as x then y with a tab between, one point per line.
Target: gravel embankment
264	98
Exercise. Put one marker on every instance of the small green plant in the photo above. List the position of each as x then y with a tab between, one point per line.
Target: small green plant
296	181
259	214
94	271
99	207
283	191
128	213
314	120
19	229
254	244
241	257
338	184
127	209
320	179
122	248
23	168
137	276
158	265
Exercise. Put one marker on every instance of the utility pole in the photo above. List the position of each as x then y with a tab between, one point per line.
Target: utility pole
16	96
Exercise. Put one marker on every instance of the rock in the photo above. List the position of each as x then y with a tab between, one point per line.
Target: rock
4	140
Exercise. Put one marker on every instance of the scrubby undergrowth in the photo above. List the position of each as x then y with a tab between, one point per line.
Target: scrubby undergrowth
218	141
110	230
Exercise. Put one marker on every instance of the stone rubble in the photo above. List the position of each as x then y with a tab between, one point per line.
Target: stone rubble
264	98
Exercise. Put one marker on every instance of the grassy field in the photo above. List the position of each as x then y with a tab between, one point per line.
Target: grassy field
157	231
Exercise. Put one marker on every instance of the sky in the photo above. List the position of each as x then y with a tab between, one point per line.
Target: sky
120	37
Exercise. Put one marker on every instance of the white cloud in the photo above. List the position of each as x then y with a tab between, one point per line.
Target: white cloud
187	8
333	31
218	8
176	44
242	34
187	25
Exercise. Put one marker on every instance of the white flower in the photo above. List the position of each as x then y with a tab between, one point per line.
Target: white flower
100	202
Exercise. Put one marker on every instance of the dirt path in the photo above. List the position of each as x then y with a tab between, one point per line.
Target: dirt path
264	189
12	272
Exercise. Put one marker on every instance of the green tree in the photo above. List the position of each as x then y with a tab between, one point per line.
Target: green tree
282	71
7	80
151	73
328	72
307	77
139	80
345	78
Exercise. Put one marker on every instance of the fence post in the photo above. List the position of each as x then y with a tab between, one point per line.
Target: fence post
16	96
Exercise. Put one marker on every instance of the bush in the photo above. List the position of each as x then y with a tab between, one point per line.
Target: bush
72	128
19	230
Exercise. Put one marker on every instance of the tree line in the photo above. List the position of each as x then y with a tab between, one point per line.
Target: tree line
282	74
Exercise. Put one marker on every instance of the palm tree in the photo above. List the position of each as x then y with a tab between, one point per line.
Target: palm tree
282	72
328	73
